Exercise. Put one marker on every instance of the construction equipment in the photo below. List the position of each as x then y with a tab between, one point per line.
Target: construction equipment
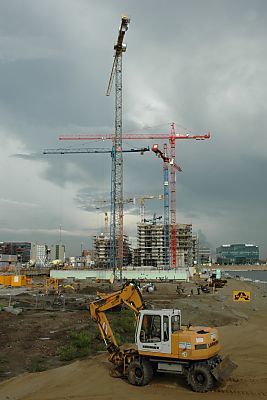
172	137
105	204
170	246
162	343
52	286
116	215
154	219
114	152
142	203
97	150
106	222
134	200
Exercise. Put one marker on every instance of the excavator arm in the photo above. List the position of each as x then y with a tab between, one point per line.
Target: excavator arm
130	296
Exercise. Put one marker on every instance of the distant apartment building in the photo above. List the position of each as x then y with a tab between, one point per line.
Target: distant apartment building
102	251
57	252
195	248
204	256
39	254
234	254
184	244
150	245
21	249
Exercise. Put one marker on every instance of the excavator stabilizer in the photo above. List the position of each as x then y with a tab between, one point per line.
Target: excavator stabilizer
223	370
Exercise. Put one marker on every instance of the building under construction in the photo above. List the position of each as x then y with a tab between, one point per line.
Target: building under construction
102	251
150	245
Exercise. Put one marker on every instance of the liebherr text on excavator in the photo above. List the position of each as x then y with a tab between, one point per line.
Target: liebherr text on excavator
161	343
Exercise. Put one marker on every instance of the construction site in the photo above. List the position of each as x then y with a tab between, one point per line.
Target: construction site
142	323
47	335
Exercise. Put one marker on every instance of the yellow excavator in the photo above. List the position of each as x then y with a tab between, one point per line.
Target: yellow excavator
161	343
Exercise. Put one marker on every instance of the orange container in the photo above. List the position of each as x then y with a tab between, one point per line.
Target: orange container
28	280
18	280
1	279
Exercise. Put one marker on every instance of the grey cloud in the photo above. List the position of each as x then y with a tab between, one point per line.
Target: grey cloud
200	64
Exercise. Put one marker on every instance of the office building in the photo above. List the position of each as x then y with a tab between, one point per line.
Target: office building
21	249
234	254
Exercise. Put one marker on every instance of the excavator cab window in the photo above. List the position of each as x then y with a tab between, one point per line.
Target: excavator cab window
151	329
175	323
165	328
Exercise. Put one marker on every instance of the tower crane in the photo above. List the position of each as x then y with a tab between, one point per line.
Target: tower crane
105	205
169	240
142	200
136	136
116	221
154	219
99	151
172	136
105	220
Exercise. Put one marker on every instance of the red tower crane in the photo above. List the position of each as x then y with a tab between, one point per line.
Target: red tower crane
169	231
172	137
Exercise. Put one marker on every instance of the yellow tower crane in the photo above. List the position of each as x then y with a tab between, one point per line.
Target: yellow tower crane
142	200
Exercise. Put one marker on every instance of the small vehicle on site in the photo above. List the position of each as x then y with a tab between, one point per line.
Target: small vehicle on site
161	343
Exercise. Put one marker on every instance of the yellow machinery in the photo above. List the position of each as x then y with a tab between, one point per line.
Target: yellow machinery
52	286
162	344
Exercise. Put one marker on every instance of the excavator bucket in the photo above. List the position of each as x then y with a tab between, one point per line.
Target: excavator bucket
223	370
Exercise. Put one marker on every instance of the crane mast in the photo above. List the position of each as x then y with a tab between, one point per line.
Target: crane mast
168	250
173	198
116	220
166	192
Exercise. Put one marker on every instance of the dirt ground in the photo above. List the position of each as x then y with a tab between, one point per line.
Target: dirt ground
36	334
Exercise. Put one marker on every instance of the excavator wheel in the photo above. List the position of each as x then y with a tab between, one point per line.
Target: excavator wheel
140	373
200	378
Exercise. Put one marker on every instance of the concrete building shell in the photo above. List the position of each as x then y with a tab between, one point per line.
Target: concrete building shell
150	245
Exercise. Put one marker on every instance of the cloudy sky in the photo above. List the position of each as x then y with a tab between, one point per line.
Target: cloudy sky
199	63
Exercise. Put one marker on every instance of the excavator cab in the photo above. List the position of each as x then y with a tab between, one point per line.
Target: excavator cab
155	329
160	333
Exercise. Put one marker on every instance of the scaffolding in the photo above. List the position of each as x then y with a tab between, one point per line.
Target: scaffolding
150	250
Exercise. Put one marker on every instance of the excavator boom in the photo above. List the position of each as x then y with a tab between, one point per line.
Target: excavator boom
130	296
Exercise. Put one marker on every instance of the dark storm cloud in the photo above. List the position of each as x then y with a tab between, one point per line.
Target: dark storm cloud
199	64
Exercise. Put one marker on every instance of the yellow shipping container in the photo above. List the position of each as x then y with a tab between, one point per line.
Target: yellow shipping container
5	280
18	280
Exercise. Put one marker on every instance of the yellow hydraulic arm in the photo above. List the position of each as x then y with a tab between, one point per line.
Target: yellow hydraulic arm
130	296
